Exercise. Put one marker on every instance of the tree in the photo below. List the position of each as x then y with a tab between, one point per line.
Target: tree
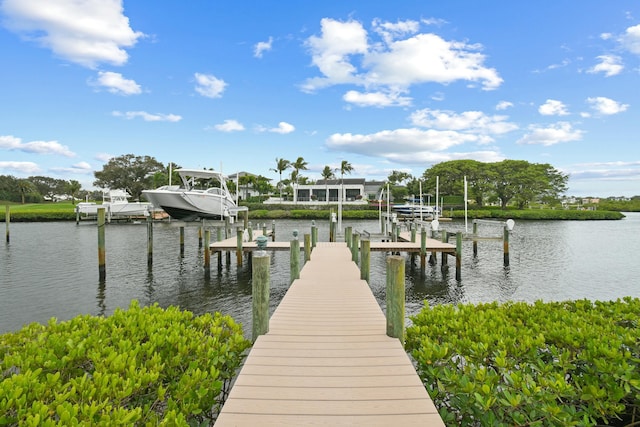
129	172
327	174
72	188
281	166
524	182
48	187
262	185
246	181
25	188
398	177
480	178
345	168
298	165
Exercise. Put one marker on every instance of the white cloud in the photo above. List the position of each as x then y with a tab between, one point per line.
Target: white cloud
209	85
610	65
553	107
630	40
606	106
261	47
147	117
11	143
503	105
115	83
103	157
78	168
283	128
86	32
376	99
229	126
22	167
393	63
551	135
467	121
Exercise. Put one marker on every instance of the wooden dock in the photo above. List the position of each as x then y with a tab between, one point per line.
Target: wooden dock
327	360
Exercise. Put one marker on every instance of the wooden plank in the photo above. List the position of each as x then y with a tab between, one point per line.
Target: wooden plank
326	359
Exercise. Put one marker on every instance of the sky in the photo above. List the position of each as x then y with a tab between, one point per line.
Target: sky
385	85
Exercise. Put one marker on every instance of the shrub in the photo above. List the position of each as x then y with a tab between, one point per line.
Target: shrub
545	364
139	366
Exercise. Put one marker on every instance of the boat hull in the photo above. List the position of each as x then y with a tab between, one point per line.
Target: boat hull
189	205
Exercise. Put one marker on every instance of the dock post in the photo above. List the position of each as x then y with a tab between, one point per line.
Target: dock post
475	238
182	241
245	216
250	231
102	267
307	247
207	254
413	240
218	239
365	256
264	228
347	236
506	246
314	234
7	220
332	227
355	247
423	249
239	235
458	256
445	261
149	241
273	230
394	236
294	258
395	297
260	289
200	234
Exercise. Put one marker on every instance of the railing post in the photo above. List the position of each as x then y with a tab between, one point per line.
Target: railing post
260	289
365	256
294	258
395	297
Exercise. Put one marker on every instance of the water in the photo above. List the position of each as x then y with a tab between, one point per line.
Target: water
51	269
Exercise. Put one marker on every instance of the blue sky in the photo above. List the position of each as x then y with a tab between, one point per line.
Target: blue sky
384	85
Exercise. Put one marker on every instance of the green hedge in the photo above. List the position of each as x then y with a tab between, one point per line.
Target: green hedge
544	364
141	366
536	214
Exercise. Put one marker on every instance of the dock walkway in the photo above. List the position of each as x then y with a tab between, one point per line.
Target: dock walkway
327	360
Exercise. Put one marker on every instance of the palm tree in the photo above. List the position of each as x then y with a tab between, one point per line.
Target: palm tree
281	166
327	174
297	166
345	167
72	188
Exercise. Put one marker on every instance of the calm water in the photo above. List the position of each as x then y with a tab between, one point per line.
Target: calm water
50	269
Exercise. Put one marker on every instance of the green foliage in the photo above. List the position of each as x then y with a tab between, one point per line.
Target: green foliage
141	366
574	363
538	214
129	172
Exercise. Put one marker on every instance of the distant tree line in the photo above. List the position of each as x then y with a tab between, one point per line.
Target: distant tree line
35	189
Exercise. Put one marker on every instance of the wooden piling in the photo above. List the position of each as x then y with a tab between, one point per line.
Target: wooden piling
273	231
102	267
260	294
365	259
395	297
7	220
445	261
239	236
207	254
307	247
314	234
218	239
200	236
348	236
332	230
475	239
355	247
423	250
149	241
506	246
250	231
181	241
294	258
458	256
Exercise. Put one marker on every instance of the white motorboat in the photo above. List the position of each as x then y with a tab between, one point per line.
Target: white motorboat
203	194
414	208
116	204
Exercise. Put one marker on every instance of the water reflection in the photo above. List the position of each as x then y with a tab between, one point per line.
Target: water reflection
50	269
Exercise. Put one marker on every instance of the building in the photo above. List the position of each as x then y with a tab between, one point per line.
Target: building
353	190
